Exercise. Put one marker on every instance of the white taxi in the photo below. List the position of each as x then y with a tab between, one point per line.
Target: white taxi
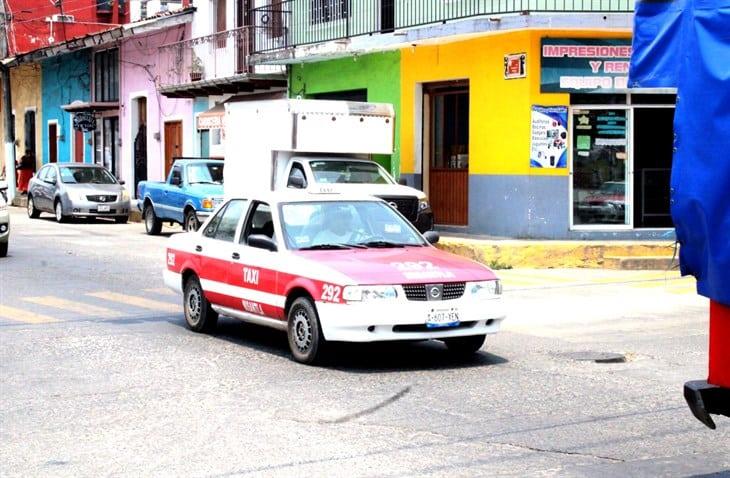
330	268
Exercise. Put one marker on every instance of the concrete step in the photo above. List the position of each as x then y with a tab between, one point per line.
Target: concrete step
640	262
20	201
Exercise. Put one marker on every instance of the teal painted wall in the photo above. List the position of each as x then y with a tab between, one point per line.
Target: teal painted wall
378	73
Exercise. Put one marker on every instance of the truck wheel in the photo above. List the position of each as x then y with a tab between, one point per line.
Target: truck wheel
152	223
306	340
465	345
191	223
33	213
58	208
199	315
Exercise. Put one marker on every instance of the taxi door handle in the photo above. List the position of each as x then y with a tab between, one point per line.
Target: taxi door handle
235	255
198	248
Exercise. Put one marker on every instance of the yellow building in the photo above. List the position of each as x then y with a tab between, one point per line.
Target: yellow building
25	85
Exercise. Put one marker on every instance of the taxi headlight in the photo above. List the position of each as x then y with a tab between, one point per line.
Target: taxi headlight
423	204
125	195
355	293
487	289
207	203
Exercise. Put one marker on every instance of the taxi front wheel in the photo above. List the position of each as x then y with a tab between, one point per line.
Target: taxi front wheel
199	315
306	340
465	345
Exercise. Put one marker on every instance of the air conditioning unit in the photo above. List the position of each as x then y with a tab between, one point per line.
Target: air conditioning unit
63	18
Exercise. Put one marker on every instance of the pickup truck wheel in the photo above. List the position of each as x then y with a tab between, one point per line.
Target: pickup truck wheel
306	340
33	213
199	315
152	223
191	221
465	345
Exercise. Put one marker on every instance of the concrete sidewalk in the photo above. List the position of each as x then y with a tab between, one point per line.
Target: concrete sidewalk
546	254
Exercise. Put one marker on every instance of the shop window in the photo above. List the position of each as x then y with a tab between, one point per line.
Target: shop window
600	172
106	75
324	11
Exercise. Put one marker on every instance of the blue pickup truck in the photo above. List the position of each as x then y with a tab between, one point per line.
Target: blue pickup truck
193	189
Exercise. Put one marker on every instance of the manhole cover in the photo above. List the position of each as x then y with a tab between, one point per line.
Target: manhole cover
598	357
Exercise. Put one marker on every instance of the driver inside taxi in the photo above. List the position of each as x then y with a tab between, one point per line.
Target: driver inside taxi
337	227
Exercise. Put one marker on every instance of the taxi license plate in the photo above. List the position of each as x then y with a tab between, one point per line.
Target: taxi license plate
103	208
442	318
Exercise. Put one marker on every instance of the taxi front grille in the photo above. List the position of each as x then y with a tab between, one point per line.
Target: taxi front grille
101	198
451	290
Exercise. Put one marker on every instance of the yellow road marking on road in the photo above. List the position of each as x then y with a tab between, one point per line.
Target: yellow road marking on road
161	291
136	301
72	306
20	315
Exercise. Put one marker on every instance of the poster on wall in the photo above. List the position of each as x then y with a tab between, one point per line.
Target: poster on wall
575	65
515	66
549	137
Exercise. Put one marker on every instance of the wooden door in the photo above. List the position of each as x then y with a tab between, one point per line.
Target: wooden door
52	142
446	140
173	143
78	146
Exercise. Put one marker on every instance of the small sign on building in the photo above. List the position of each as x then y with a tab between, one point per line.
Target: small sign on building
515	66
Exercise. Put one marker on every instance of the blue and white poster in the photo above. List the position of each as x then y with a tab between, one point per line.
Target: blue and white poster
549	137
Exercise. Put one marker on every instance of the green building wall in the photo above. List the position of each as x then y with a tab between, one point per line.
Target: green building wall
378	73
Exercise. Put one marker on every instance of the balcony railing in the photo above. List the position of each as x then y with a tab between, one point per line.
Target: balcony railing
313	21
218	56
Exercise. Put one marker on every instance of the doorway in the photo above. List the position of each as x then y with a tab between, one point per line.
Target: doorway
446	150
78	146
653	138
139	130
387	16
110	151
30	131
173	143
52	142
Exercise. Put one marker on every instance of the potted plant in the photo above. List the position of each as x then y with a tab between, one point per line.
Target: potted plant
196	69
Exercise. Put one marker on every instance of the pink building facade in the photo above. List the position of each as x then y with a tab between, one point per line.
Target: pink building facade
153	128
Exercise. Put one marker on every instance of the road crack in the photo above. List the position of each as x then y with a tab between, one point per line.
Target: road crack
559	452
373	409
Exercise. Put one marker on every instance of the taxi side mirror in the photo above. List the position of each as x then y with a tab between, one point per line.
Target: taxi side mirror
431	236
262	242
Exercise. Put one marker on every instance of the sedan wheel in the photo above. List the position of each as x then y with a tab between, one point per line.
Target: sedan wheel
59	212
306	340
32	211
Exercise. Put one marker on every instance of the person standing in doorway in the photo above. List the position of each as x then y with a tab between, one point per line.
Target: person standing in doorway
140	156
25	167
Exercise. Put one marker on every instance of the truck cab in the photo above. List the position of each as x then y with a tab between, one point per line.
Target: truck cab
320	174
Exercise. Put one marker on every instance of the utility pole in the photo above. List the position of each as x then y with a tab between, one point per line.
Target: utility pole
7	106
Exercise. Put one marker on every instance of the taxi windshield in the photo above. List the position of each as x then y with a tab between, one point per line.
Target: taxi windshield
345	225
348	172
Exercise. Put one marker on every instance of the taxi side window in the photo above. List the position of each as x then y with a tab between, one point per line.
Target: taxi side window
296	177
223	225
51	175
259	221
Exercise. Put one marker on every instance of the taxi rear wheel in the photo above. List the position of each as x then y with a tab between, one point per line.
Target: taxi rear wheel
199	315
306	340
465	345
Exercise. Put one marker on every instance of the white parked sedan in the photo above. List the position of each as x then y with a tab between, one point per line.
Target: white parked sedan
330	268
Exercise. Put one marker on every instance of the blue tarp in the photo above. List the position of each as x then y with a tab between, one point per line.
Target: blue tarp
690	50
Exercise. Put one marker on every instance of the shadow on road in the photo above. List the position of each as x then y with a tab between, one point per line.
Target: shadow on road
354	357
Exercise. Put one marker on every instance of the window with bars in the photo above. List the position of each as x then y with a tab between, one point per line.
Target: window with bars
324	11
106	75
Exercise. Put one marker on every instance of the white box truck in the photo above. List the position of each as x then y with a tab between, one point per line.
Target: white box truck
321	146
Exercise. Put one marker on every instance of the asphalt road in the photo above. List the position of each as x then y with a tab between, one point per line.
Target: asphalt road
99	376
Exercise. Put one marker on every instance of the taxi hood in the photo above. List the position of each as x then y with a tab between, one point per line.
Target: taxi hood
399	265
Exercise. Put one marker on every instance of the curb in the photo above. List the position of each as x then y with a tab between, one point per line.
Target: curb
507	254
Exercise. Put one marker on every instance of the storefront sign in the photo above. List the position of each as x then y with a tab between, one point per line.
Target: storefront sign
515	66
570	65
548	143
84	121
